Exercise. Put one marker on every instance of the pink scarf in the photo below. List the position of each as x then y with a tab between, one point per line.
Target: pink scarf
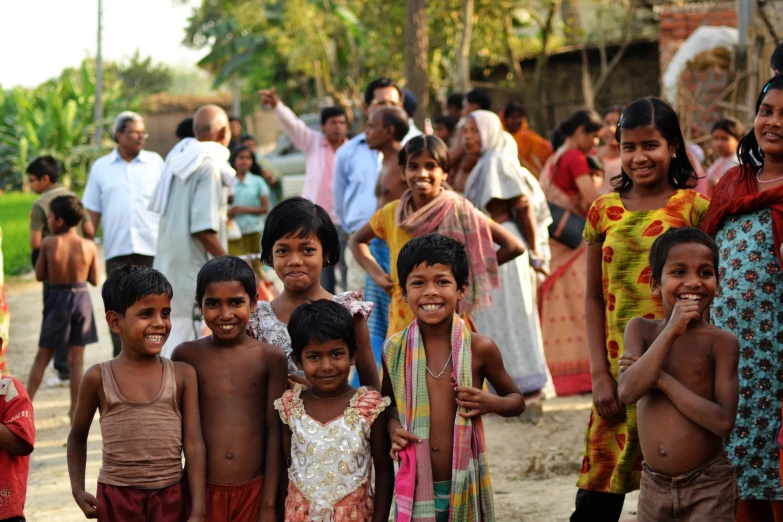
453	216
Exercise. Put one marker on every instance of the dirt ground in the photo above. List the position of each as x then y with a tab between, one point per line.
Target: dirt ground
533	463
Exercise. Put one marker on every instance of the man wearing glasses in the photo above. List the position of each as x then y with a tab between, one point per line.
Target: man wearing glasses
118	190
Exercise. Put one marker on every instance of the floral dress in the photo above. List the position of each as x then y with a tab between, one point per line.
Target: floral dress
331	464
749	303
612	461
267	328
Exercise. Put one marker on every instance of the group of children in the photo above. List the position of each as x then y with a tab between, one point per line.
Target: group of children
270	387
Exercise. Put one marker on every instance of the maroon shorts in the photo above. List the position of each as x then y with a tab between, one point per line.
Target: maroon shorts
234	502
127	504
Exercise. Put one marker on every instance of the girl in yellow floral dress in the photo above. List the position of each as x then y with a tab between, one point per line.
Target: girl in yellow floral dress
650	195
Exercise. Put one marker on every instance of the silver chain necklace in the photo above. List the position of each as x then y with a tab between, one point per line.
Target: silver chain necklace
758	177
443	370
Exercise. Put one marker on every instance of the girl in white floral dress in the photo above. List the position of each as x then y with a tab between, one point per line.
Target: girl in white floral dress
299	240
331	438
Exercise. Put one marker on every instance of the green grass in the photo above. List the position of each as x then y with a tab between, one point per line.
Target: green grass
15	223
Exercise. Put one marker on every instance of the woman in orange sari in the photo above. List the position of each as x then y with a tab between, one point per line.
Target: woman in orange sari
567	183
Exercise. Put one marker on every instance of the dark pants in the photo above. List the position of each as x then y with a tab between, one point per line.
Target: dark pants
597	506
329	273
116	262
60	353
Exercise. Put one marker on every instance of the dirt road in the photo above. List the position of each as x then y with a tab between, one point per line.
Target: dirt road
533	464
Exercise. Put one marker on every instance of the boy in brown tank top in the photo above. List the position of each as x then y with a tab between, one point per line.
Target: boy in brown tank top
239	379
149	413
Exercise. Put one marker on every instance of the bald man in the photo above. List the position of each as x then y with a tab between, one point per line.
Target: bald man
190	198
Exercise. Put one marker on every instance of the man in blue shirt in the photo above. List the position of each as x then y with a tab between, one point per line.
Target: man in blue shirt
356	175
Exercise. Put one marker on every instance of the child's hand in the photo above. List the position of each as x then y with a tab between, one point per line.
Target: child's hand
626	361
385	282
605	399
87	503
401	439
684	312
477	401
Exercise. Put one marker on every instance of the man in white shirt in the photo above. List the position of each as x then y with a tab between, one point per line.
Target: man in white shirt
118	190
190	200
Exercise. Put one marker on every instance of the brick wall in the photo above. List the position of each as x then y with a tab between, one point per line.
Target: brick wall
677	23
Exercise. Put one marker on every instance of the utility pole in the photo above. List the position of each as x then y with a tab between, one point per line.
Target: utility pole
99	81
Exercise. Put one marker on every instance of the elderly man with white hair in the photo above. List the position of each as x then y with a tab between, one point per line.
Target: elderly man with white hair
191	201
118	190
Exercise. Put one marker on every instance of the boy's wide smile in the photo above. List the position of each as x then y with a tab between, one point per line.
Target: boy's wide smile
689	297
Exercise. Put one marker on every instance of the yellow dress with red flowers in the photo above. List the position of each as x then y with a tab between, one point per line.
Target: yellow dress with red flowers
612	460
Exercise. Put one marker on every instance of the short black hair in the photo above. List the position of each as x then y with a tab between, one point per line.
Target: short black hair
515	108
455	100
425	143
678	236
479	97
249	137
127	284
67	208
379	83
776	60
300	217
234	118
432	249
409	103
226	269
328	113
395	117
185	129
44	166
447	121
730	126
320	321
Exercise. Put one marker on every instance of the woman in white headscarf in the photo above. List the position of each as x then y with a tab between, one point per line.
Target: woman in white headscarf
508	193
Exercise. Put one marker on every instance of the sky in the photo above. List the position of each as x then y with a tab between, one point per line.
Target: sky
39	38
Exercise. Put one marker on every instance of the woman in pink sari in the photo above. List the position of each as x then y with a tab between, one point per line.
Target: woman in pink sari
567	183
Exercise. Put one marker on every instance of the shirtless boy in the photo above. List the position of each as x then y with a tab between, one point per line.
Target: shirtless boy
68	262
239	379
433	271
385	131
683	372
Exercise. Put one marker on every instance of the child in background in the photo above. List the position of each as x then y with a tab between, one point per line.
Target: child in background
444	128
436	369
68	262
299	240
334	434
683	372
650	197
17	437
726	134
149	413
239	378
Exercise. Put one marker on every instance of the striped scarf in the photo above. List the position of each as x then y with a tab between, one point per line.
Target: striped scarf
471	490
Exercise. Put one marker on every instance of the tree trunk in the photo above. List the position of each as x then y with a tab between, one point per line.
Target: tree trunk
417	50
463	53
537	96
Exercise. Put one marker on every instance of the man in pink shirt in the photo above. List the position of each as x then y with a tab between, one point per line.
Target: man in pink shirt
319	149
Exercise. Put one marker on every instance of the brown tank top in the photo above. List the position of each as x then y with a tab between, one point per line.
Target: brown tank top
142	441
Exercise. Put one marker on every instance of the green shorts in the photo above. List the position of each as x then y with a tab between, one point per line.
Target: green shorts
442	500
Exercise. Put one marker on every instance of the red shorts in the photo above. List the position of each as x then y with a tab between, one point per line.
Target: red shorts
127	504
234	502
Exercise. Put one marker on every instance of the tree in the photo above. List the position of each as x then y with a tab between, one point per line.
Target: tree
463	54
417	55
142	76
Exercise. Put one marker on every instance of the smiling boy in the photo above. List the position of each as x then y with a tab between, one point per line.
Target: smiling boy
683	372
436	370
239	379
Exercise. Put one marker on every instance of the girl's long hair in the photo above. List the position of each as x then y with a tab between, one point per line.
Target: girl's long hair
656	112
748	151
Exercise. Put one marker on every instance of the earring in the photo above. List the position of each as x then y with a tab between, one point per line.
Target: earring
674	155
326	263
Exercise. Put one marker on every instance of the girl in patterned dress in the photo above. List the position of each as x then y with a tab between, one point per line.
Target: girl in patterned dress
746	219
331	437
299	240
650	195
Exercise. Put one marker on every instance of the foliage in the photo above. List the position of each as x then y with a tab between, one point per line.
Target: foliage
141	76
57	118
14	221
